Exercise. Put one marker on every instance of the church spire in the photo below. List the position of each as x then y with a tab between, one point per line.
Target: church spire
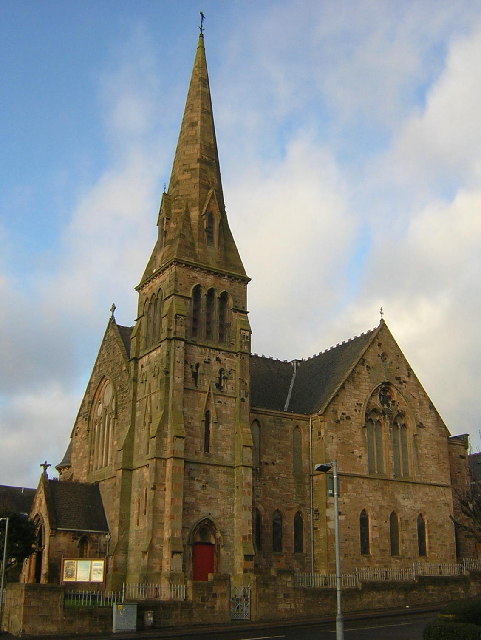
192	222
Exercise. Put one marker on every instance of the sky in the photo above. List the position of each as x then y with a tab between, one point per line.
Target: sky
350	146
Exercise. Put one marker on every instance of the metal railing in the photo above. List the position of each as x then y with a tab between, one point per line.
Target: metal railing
138	591
388	574
319	580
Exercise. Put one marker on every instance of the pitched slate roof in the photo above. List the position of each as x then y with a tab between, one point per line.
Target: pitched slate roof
16	499
125	335
304	386
75	506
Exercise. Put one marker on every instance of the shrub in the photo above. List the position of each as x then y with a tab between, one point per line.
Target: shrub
440	630
463	611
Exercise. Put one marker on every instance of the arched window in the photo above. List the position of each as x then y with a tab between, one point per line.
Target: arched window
421	529
102	426
145	326
256	441
209	314
277	532
298	533
157	318
207	425
209	228
374	444
257	530
400	448
297	451
394	533
364	533
223	301
196	311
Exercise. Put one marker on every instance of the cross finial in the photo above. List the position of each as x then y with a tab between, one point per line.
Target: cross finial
112	309
381	313
201	28
45	465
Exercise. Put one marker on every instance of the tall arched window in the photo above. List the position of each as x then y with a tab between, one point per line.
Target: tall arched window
157	318
421	529
223	301
394	533
400	447
374	444
102	420
207	426
364	533
196	310
298	533
209	314
297	451
257	530
256	441
277	532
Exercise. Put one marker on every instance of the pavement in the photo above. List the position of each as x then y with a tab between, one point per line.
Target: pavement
172	632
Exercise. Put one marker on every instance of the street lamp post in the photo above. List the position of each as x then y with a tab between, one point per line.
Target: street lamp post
325	468
4	563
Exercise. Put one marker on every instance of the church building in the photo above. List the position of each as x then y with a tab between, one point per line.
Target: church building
190	456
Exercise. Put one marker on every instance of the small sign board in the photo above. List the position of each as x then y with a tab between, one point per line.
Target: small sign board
330	485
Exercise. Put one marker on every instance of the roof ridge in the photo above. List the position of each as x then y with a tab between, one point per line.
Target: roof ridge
339	344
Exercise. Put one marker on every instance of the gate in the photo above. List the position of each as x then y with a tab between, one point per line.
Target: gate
240	603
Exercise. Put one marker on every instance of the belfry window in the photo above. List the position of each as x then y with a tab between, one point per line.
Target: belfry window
223	298
209	228
196	311
207	429
209	314
277	532
364	533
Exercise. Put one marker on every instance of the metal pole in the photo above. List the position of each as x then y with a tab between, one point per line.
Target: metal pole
339	616
4	562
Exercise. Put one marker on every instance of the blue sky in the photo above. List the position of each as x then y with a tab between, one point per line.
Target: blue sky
349	141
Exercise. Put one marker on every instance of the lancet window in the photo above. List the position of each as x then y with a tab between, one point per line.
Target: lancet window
394	533
375	456
256	442
298	533
152	321
364	537
207	431
102	426
400	447
421	531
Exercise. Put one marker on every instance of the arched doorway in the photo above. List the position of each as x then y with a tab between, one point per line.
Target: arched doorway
203	550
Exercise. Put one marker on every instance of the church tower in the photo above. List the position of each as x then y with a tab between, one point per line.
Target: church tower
191	446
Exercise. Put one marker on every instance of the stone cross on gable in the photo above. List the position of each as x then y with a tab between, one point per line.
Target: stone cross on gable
45	465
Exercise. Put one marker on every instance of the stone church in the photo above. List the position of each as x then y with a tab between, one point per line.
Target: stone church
191	456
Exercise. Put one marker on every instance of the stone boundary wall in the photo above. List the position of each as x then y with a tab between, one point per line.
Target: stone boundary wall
277	597
38	609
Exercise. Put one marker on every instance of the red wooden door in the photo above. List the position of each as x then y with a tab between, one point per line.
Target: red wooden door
202	560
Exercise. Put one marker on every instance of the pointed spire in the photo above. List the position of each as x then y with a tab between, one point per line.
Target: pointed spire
192	220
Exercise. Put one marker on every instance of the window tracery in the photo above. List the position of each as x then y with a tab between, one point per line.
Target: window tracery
102	426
